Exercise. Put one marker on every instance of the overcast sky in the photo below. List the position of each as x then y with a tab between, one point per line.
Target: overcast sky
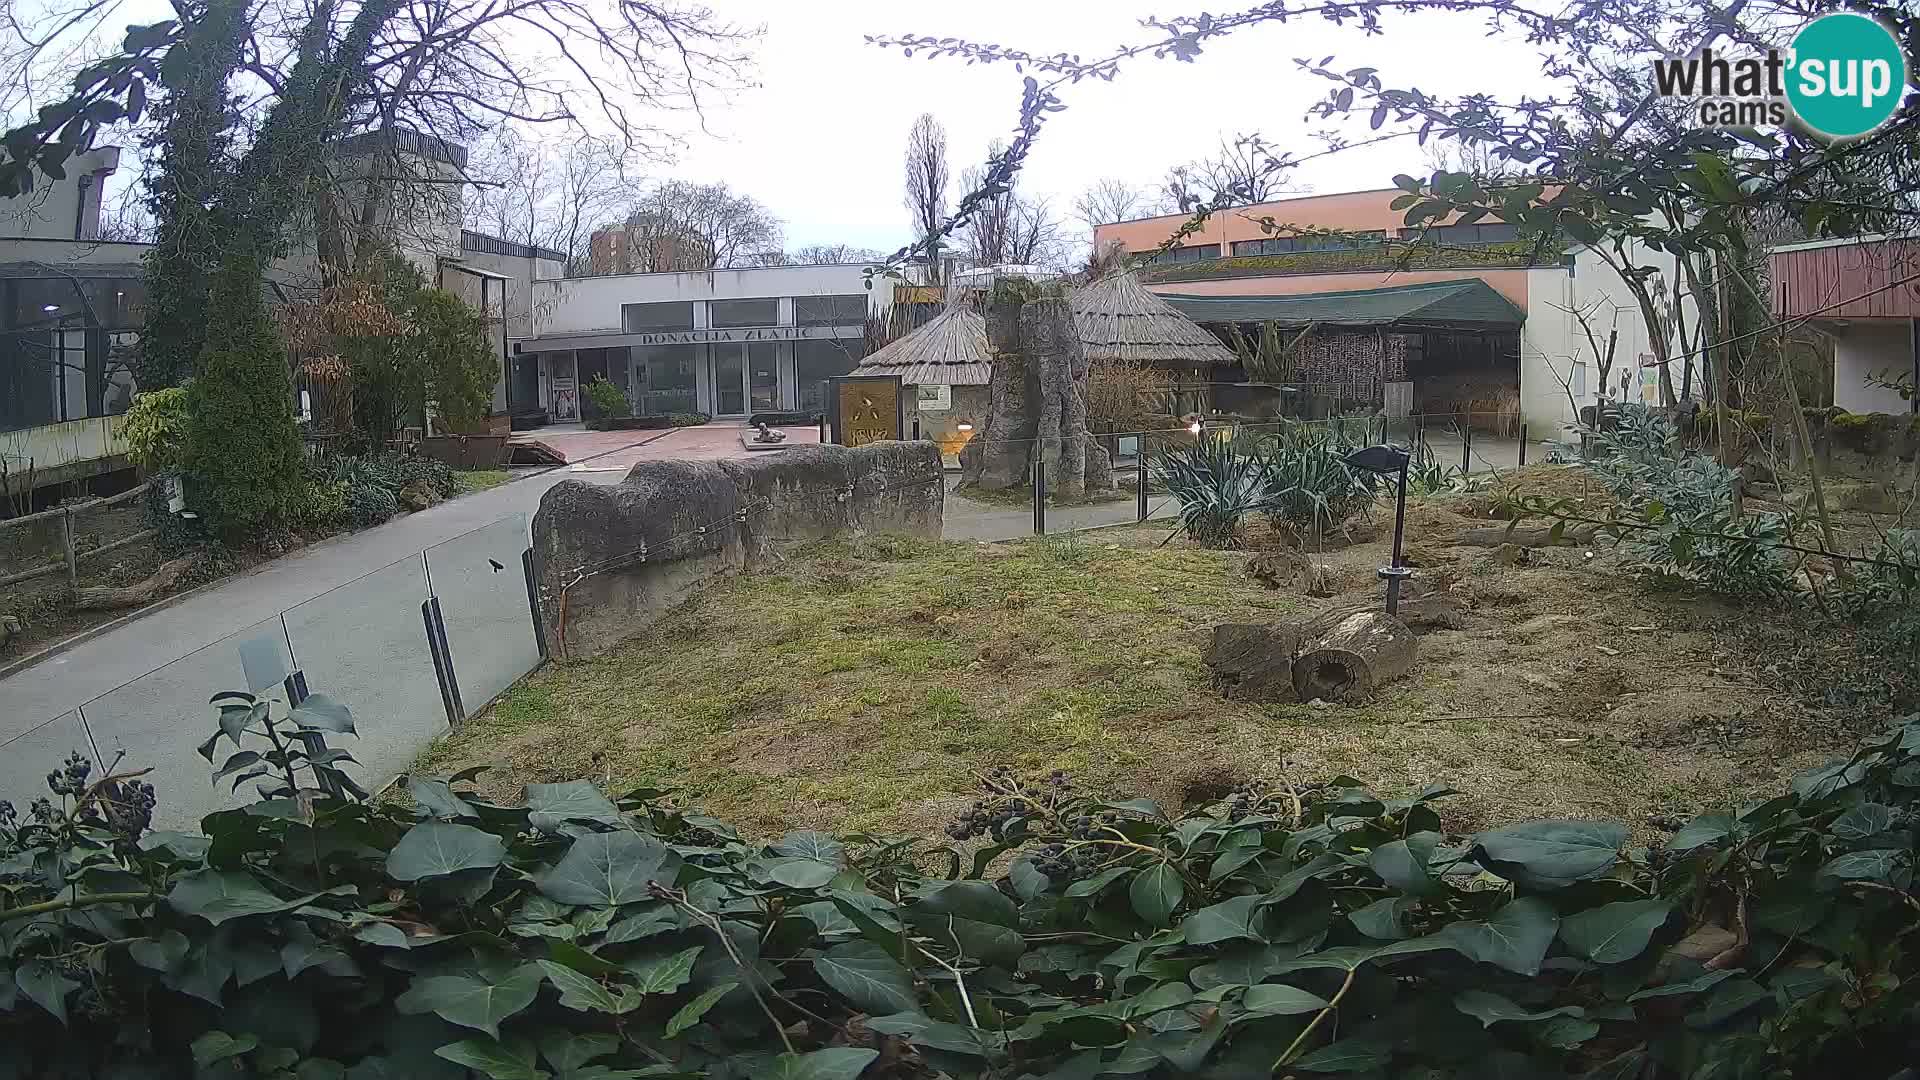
821	138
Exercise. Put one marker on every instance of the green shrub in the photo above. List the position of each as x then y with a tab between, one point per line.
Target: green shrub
1296	475
243	453
689	419
1217	483
458	364
606	398
369	505
156	428
1287	930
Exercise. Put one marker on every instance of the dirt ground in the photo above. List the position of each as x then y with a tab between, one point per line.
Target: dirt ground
866	684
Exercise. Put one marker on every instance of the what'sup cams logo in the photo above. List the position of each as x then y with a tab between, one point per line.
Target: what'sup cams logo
1842	78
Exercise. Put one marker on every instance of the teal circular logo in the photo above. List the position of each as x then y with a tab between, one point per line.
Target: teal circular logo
1847	75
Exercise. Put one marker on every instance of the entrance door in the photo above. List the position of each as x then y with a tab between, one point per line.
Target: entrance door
729	379
763	371
564	387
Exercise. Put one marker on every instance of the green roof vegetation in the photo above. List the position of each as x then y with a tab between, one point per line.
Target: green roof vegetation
1520	254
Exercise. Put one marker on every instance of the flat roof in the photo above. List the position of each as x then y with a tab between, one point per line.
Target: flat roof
1466	302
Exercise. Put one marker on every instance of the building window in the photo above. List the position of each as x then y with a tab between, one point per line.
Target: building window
1283	245
1494	232
655	318
830	310
1187	254
722	314
816	361
663	380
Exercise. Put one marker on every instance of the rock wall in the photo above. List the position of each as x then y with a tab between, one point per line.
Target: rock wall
612	561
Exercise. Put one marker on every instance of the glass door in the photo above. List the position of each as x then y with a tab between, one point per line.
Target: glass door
729	379
763	368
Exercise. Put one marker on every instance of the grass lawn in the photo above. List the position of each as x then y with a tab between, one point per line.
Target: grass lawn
864	684
481	479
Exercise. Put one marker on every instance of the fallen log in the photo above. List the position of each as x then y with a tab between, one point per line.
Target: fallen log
1253	661
165	578
1440	611
1531	536
1348	661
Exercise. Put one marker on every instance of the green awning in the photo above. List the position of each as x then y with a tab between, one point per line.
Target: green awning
1470	303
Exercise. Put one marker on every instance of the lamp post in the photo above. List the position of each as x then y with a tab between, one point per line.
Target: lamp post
1389	461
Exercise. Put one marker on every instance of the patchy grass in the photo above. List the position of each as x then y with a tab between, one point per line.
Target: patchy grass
481	479
863	685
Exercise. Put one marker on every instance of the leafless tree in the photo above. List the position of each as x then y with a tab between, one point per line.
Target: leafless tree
1478	160
927	176
1109	200
680	225
833	254
549	193
1011	228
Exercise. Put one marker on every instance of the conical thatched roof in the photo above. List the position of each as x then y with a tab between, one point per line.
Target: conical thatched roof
951	348
1118	318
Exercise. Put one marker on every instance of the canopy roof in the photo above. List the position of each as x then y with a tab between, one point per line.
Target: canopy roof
1467	303
950	349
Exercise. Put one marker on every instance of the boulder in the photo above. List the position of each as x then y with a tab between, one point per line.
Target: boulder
416	496
1253	661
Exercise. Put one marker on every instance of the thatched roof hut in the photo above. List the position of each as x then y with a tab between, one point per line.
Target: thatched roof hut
1118	318
950	349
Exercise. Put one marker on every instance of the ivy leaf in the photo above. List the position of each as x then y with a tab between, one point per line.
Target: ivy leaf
162	952
798	873
219	895
1225	921
1490	1008
692	1011
1553	854
1691	986
1156	892
551	805
493	1058
47	987
806	844
1705	829
583	993
666	974
609	869
1403	863
1092	886
1279	999
213	1047
1726	1000
644	925
1515	937
977	917
321	713
438	799
436	848
568	1052
1884	865
469	1002
236	762
1568	1032
838	1063
1612	933
865	975
1863	821
1346	1055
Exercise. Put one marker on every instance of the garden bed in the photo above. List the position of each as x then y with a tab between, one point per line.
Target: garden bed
866	685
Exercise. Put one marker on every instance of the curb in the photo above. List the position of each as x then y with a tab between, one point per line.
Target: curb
15	666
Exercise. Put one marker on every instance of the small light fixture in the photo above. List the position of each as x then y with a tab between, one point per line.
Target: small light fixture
1195	427
964	427
50	308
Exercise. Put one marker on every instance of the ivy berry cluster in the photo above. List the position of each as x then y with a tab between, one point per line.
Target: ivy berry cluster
1007	798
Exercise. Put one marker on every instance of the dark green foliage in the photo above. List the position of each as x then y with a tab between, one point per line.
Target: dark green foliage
243	448
606	398
458	364
367	505
1289	930
361	491
1297	475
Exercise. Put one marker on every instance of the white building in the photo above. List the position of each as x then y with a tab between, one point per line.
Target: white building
720	342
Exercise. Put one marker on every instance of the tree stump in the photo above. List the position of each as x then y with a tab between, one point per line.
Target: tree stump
1252	661
1349	660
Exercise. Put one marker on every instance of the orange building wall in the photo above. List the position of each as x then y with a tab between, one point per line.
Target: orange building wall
1511	284
1355	210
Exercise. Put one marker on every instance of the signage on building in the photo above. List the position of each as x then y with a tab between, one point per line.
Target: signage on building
865	409
762	333
933	398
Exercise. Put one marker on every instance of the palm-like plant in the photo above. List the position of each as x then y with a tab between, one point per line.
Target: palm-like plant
1218	483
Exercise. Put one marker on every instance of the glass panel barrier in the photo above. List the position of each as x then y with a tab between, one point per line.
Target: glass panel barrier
365	645
161	718
482	586
26	759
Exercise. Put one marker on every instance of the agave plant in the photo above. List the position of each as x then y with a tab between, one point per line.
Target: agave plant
1218	483
1308	484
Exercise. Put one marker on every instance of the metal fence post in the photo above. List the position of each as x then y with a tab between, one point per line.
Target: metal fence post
1523	446
533	602
1466	445
442	660
66	541
1039	491
1140	493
